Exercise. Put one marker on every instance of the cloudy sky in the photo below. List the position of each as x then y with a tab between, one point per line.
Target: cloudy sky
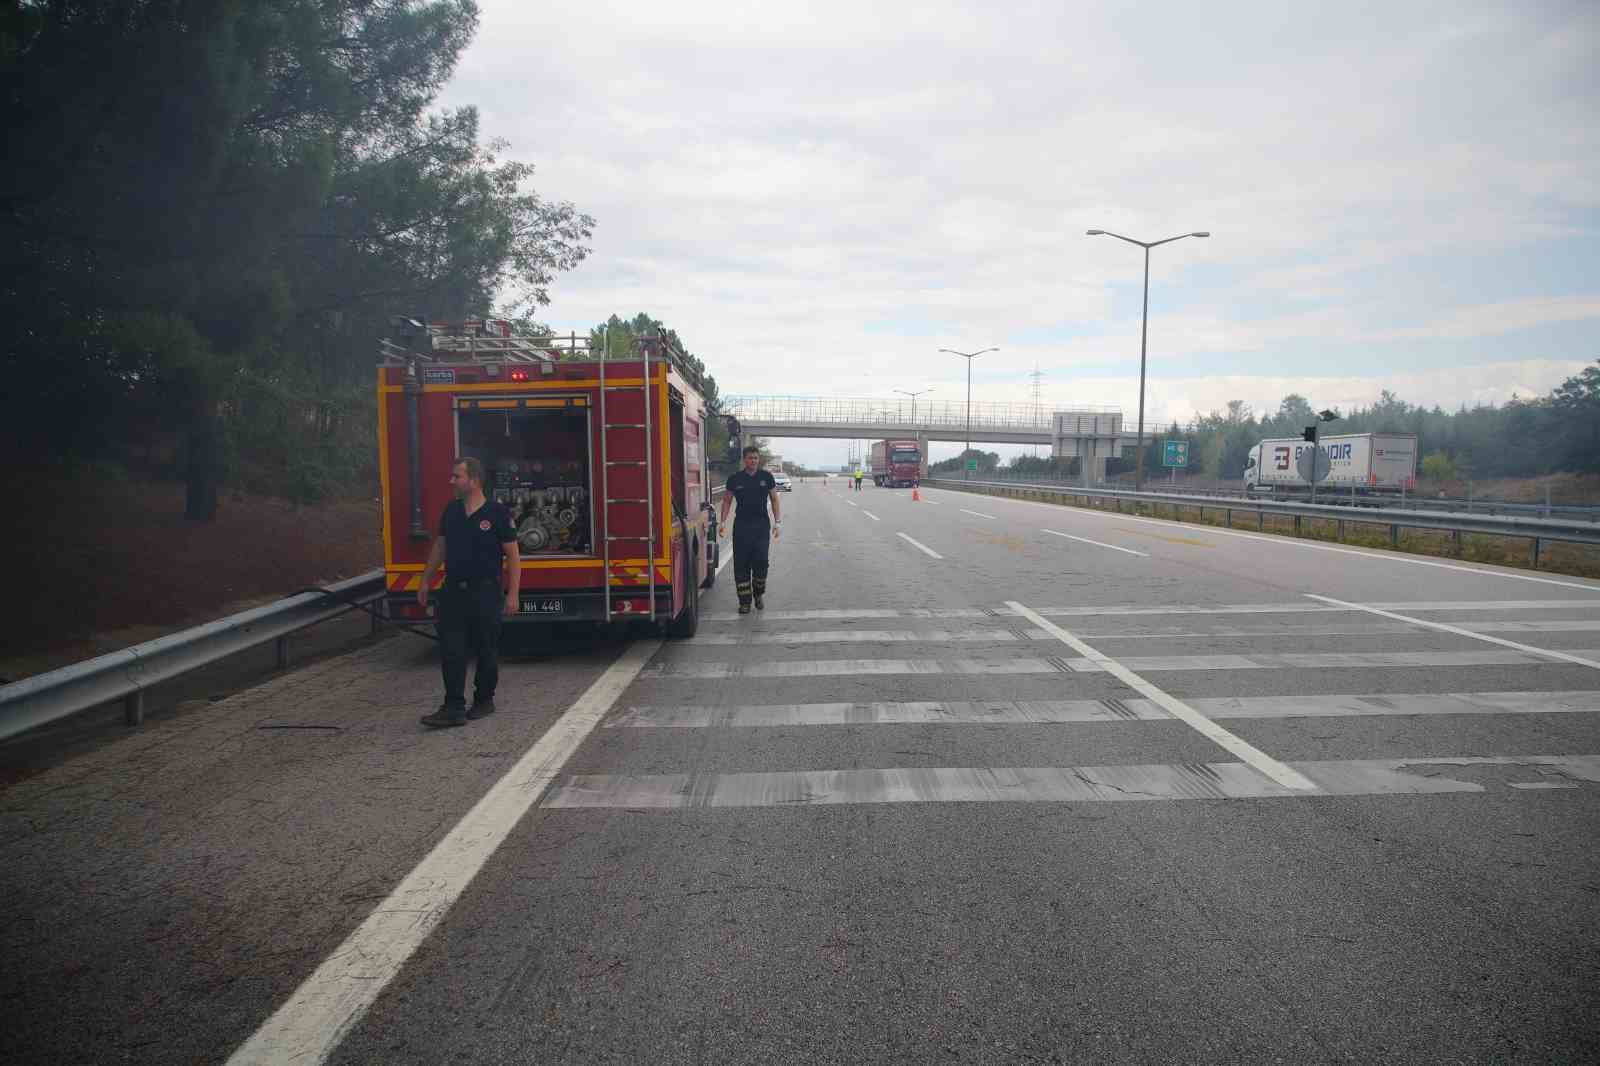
819	196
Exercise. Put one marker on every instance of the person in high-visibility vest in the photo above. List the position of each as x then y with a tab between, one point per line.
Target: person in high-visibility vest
858	479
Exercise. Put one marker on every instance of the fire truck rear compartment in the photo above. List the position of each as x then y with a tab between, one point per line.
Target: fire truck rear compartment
537	463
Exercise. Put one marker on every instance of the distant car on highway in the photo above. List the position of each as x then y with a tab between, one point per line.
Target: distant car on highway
783	482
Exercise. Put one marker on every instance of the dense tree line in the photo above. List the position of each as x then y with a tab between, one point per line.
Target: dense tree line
211	209
1559	432
1524	438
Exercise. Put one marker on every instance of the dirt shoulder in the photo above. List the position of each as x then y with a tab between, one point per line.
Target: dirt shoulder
98	566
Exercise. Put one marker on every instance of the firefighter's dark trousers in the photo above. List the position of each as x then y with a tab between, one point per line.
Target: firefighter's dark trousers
750	546
469	621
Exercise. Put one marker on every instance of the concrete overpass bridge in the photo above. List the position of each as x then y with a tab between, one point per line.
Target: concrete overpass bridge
1092	432
992	423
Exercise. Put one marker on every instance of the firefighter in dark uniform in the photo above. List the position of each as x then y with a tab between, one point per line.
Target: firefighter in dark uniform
753	488
476	543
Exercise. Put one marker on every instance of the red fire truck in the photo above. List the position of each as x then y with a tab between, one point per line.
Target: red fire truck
601	462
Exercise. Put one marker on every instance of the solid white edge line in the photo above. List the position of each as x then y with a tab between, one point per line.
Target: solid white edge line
870	515
980	514
724	564
1096	543
918	544
1393	557
329	1003
1280	772
1445	627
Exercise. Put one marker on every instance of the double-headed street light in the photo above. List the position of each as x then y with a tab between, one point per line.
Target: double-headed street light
1138	470
969	357
914	396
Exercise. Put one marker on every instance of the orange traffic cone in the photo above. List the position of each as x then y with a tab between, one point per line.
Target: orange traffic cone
915	494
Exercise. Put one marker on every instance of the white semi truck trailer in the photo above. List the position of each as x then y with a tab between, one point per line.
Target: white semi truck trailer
1371	463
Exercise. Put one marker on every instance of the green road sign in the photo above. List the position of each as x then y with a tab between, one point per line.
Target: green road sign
1176	453
972	464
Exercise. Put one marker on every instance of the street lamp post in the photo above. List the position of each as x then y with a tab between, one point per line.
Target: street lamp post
913	396
969	357
1138	469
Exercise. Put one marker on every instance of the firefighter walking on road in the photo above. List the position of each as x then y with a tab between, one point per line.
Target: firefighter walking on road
753	534
475	536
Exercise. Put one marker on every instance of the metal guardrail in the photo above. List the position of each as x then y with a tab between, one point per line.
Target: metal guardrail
1340	497
127	674
1536	530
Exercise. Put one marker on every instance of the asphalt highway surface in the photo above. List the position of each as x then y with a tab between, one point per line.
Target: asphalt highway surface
988	781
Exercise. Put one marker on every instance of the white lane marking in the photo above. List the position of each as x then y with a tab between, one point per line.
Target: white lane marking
852	503
1393	557
1050	784
991	635
978	514
1445	627
870	515
1072	712
1096	543
724	564
1333	660
1298	607
1266	764
310	1025
919	545
850	667
871	636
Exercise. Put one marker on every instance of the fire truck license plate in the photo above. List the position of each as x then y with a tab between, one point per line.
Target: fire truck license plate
546	606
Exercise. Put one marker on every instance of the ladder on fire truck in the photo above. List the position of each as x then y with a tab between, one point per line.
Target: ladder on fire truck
645	465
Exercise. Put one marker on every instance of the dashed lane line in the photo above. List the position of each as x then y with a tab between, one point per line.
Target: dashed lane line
1096	543
919	545
1392	557
978	514
870	515
1445	627
310	1025
1255	757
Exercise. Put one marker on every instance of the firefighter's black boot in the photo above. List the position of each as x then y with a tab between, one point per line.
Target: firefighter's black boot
760	585
449	714
481	708
744	597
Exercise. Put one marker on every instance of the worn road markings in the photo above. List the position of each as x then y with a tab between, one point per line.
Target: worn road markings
1075	712
978	514
1280	772
1170	540
1096	543
870	515
1445	627
1054	784
309	1026
919	545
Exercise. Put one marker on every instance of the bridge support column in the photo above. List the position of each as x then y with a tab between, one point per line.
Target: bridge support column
922	450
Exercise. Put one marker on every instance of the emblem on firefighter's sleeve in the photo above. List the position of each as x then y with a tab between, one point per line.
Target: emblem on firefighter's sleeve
484	525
